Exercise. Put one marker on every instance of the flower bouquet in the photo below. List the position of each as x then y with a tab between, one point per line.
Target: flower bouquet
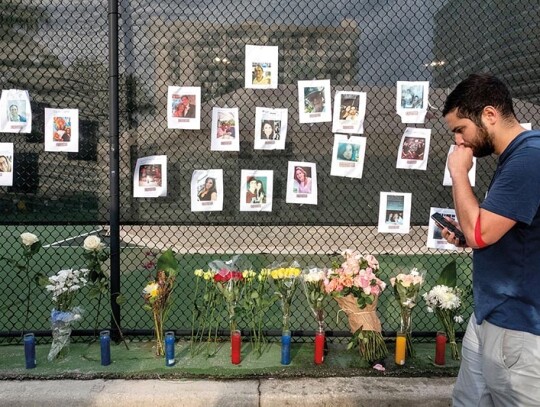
284	278
445	300
256	301
406	288
64	286
157	295
356	288
313	282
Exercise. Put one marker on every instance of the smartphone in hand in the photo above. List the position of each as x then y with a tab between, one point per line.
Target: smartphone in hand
442	222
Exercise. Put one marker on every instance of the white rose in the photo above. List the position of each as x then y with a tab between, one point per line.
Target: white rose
28	239
92	243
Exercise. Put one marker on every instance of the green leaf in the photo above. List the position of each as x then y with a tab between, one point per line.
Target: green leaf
167	262
448	275
121	299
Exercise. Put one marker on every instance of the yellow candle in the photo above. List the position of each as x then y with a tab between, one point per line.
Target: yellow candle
401	345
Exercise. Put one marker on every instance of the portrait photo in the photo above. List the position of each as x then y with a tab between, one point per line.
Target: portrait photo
394	212
225	129
314	101
6	164
184	107
270	129
207	190
15	111
349	112
302	183
434	235
256	190
261	67
150	177
412	101
62	130
348	156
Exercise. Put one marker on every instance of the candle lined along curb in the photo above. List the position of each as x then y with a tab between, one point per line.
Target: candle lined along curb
105	347
401	348
169	349
318	357
236	347
440	349
30	350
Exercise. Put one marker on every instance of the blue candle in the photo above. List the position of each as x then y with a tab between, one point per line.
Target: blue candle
105	342
286	348
30	351
169	348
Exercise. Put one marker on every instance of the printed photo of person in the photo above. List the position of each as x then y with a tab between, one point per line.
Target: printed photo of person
260	75
150	175
314	101
5	163
61	129
349	108
270	129
17	111
412	97
413	148
207	190
185	106
302	180
226	129
348	152
255	193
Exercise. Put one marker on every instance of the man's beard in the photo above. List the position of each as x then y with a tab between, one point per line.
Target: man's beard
484	143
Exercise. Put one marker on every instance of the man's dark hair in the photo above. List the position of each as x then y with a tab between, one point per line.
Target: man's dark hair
472	95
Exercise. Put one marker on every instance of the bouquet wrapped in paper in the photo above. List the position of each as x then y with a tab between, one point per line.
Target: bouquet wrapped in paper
64	287
356	288
313	282
406	288
285	279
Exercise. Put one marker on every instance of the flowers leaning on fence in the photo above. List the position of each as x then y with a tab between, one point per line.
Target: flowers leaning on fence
313	282
406	288
356	288
31	245
158	295
445	300
285	283
64	287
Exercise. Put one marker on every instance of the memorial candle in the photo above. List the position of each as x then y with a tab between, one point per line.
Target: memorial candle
401	347
319	348
440	348
236	346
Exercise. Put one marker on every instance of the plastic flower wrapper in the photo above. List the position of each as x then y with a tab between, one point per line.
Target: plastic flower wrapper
445	300
229	281
284	277
256	301
64	287
355	286
406	289
313	283
157	295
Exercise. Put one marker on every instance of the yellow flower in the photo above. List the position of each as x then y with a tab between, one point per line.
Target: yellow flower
198	273
151	289
208	275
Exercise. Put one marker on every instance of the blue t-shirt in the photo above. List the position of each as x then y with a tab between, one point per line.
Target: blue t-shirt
506	274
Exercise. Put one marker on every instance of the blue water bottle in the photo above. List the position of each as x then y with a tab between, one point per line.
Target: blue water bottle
286	348
169	348
30	351
105	342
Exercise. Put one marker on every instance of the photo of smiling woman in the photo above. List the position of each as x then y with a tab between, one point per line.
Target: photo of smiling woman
267	130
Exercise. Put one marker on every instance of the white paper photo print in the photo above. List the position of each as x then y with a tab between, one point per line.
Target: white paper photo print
6	164
447	179
62	130
261	70
394	212
349	112
314	101
256	189
435	239
301	183
348	156
150	177
270	129
225	129
184	107
15	111
412	101
207	190
414	149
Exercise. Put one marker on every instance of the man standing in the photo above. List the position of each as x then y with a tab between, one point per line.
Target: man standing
501	347
188	110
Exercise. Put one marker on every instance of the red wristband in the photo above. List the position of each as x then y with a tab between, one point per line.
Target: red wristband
478	234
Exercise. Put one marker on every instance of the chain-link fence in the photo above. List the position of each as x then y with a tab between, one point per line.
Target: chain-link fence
61	54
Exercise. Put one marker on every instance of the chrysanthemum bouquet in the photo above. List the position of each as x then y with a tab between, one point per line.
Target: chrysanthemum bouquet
64	287
285	280
313	282
445	300
356	288
406	288
157	295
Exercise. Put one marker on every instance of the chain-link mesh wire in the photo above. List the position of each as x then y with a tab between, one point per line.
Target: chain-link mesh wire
59	53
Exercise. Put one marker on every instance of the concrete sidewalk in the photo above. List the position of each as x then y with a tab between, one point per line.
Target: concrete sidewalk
343	392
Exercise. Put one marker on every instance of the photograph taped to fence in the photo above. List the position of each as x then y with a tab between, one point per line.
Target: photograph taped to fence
348	156
256	189
270	128
184	107
261	67
62	130
150	178
447	179
15	111
6	164
301	183
349	112
314	101
434	237
207	190
394	212
412	101
414	149
225	129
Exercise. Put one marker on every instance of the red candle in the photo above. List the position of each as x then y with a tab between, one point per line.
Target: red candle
236	345
319	348
440	348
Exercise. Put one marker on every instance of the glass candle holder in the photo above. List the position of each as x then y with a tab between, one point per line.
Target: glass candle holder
320	340
236	347
30	350
105	345
169	348
401	348
286	347
440	348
